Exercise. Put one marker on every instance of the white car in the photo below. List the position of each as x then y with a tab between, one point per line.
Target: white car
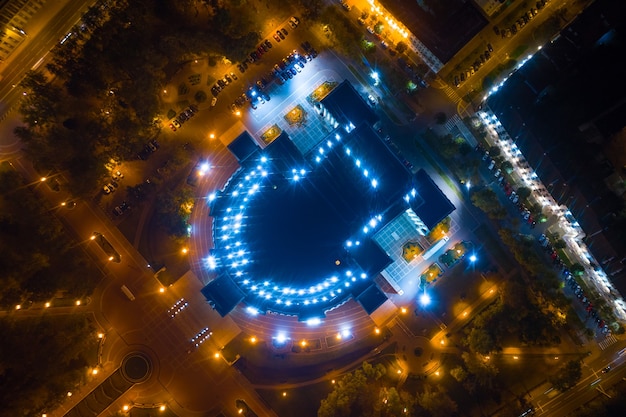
370	30
491	165
214	102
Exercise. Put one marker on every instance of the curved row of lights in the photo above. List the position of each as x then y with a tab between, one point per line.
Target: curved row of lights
227	236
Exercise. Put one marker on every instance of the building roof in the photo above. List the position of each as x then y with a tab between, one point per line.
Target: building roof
431	204
347	106
294	232
243	146
444	29
371	298
223	294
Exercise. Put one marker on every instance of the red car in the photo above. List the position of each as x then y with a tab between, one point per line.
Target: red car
173	127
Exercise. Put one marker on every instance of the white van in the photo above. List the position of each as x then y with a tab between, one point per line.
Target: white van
128	293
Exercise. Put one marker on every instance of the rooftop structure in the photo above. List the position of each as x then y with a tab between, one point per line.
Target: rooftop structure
435	30
294	231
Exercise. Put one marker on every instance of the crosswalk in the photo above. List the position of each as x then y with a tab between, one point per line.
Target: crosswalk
608	341
451	123
451	93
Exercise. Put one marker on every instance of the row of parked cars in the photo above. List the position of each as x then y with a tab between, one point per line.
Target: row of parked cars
292	64
256	55
579	292
508	190
280	35
479	62
148	149
179	120
222	83
521	21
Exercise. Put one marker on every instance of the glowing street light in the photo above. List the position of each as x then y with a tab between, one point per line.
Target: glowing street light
375	77
425	299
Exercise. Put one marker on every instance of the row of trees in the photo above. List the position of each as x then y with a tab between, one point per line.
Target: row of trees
38	260
367	392
41	359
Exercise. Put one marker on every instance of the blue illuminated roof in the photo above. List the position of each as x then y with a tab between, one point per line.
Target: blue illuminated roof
243	146
293	231
223	294
433	206
346	105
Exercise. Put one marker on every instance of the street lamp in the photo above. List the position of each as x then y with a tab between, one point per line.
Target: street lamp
375	77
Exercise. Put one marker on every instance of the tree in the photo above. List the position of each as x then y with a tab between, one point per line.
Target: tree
437	403
487	201
568	376
480	341
482	371
354	394
401	47
494	151
523	192
459	373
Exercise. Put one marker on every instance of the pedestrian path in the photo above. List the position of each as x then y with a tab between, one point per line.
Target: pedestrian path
451	123
451	93
607	342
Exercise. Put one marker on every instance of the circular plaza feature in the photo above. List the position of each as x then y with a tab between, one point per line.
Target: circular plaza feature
136	367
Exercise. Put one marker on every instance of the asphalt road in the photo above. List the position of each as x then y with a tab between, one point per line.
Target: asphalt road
45	30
